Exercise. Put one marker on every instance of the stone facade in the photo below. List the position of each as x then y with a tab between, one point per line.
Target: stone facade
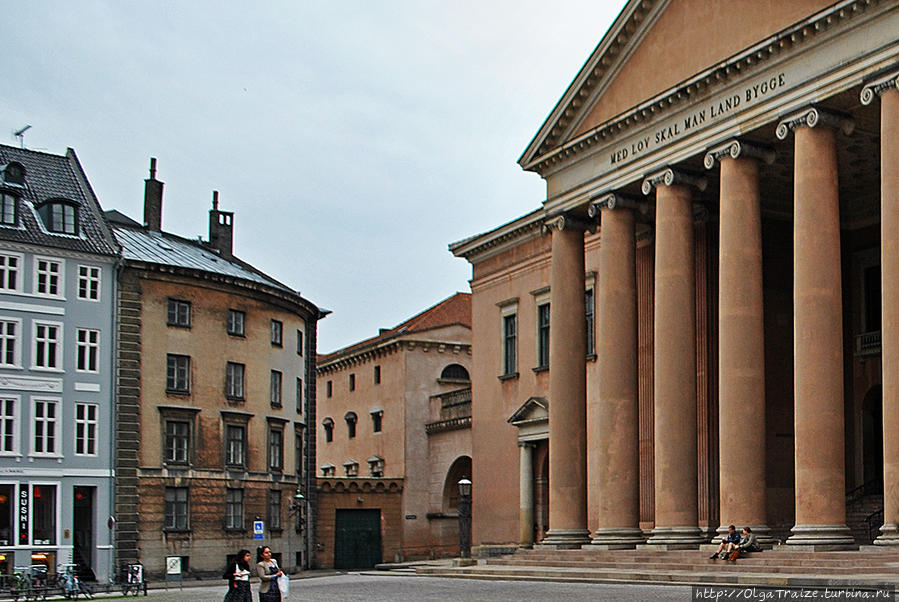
714	178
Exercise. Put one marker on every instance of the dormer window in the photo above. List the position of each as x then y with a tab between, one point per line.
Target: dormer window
14	173
7	209
60	216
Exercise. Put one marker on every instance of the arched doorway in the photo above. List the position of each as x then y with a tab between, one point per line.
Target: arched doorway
872	439
460	469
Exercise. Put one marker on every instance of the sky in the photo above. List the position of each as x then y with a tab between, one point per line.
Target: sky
354	140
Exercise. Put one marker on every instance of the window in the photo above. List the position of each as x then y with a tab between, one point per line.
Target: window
234	509
352	382
274	510
8	435
351	467
9	272
88	347
176	508
14	173
234	381
177	373
328	470
9	515
328	425
299	395
510	344
376	466
88	283
329	388
59	216
237	322
276	449
47	345
235	445
48	277
376	417
86	429
591	337
377	375
455	372
299	342
7	209
177	441
350	424
44	422
43	514
178	313
543	335
277	332
298	450
275	389
9	343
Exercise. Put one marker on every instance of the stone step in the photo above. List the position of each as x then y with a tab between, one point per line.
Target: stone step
740	566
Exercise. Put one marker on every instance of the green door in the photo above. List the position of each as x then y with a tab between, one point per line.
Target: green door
357	539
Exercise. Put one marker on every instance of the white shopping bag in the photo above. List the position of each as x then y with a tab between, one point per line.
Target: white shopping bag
284	586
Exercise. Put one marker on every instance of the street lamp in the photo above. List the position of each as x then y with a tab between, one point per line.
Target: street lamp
294	509
465	518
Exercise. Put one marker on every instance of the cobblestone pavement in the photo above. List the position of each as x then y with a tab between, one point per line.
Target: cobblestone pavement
394	588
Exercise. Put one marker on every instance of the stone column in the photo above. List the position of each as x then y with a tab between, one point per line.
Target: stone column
888	90
526	495
817	333
614	426
741	340
567	387
675	461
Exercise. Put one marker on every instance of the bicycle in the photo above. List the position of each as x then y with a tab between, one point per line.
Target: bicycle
134	583
72	586
30	582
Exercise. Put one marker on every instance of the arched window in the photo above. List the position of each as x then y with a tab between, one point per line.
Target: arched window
329	429
351	424
455	372
59	215
461	469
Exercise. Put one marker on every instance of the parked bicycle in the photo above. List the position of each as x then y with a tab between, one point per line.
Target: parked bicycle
29	582
72	586
133	583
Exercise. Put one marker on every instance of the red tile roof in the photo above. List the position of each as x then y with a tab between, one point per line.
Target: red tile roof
454	310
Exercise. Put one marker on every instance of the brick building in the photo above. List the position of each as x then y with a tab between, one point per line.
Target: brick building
216	385
394	426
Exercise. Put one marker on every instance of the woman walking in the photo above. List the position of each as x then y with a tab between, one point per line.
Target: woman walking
268	572
238	575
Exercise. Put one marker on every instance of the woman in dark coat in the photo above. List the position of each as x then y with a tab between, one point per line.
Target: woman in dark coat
238	575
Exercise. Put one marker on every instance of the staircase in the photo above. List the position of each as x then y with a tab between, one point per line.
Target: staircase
858	511
686	567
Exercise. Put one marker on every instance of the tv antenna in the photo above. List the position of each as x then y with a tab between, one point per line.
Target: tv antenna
21	135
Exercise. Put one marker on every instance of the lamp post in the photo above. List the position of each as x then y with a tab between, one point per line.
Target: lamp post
294	509
465	518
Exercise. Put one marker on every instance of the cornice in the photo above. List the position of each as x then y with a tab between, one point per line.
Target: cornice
500	239
709	79
394	344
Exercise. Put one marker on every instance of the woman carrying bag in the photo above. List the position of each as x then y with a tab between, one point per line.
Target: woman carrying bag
238	575
269	573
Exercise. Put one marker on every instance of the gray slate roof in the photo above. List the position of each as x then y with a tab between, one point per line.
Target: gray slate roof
50	176
162	248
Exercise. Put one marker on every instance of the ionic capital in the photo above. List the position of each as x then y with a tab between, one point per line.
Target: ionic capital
670	176
813	117
879	87
565	221
737	148
616	200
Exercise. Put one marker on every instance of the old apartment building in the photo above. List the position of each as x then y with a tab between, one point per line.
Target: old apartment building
216	388
394	439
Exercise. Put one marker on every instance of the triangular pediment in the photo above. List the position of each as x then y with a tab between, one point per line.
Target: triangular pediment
653	46
535	409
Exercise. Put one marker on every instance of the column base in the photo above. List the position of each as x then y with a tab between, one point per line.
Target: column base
565	539
762	532
821	538
616	539
676	538
889	535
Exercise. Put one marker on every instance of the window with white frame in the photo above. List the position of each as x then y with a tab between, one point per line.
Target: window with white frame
9	272
277	333
86	429
9	443
177	373
509	313
275	389
237	322
48	277
44	427
235	445
10	355
88	348
178	313
88	283
176	509
8	204
234	509
234	380
47	346
276	448
43	514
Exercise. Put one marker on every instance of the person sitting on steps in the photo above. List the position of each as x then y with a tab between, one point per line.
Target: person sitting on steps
748	542
727	543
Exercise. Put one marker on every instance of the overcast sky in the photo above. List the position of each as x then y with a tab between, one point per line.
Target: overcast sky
354	140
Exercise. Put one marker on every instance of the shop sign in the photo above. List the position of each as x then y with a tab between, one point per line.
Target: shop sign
23	514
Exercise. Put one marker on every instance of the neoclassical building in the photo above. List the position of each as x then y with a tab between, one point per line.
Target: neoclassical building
699	324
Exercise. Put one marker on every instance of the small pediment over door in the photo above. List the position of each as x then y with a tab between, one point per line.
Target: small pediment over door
532	419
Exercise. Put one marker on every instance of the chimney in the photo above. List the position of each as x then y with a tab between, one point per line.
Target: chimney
153	200
221	228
